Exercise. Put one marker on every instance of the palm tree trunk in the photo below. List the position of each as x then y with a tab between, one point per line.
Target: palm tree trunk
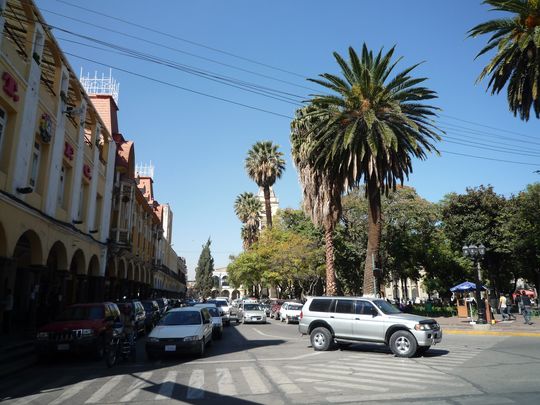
374	236
330	273
267	206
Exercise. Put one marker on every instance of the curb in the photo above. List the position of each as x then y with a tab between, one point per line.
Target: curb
490	333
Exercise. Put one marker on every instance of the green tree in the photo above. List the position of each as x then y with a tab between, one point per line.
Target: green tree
372	128
520	224
203	273
247	208
264	165
476	217
322	188
517	61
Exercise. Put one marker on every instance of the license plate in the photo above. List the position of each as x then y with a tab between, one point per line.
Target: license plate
170	348
63	347
254	318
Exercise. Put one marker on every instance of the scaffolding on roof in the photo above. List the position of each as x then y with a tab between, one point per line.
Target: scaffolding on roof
106	85
144	170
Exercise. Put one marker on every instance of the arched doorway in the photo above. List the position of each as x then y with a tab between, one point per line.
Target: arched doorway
76	280
23	281
52	283
225	293
95	282
235	294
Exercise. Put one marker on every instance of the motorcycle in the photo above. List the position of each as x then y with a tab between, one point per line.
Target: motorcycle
119	347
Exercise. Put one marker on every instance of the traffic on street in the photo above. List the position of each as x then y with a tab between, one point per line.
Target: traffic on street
271	362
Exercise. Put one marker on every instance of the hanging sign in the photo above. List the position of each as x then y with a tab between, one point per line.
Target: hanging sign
87	171
68	151
10	86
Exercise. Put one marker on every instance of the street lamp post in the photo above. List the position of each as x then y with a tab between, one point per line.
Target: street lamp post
476	253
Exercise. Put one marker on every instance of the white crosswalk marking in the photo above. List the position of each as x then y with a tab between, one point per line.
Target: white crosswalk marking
104	390
225	382
167	386
256	384
195	385
282	381
135	388
354	382
71	392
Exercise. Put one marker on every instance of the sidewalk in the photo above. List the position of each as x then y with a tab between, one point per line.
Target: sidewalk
455	325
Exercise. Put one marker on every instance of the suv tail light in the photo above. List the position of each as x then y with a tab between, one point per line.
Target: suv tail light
301	314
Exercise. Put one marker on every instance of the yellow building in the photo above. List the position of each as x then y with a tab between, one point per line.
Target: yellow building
57	160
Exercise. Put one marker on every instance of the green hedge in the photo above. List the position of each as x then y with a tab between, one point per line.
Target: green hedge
435	311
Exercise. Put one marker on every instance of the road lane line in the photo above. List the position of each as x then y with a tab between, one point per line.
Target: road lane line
195	385
135	388
358	380
104	390
275	336
388	371
71	392
167	386
336	381
255	382
281	380
225	382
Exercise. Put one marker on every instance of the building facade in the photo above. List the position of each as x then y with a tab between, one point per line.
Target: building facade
57	161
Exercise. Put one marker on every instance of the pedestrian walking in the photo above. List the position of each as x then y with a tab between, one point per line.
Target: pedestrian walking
509	306
526	308
8	311
502	307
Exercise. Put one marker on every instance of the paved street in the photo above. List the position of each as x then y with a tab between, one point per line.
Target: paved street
271	364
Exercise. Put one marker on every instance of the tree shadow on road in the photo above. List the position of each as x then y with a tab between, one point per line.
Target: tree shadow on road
69	370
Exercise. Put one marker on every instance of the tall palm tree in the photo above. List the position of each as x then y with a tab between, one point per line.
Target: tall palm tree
264	165
247	208
321	189
371	129
517	62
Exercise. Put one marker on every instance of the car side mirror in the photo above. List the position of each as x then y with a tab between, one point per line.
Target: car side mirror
374	312
206	321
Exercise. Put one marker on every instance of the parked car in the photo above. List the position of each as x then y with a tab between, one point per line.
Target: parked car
235	311
138	313
290	312
217	319
153	315
345	320
223	306
162	303
186	329
80	328
253	313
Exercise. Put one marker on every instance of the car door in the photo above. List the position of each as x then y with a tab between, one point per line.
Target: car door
343	318
207	323
368	322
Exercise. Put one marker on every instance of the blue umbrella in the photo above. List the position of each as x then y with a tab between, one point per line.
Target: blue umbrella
465	286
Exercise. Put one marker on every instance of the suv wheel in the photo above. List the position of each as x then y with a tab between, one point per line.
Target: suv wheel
403	344
321	339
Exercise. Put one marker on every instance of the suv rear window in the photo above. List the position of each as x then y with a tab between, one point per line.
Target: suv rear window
320	305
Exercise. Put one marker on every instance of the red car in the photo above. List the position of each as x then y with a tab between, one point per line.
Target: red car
81	328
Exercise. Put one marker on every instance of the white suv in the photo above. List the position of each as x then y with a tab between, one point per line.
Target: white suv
345	320
290	312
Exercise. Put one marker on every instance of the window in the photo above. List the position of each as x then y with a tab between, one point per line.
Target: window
81	204
61	186
34	164
321	305
345	307
364	308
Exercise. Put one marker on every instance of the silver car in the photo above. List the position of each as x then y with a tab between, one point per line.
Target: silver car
254	313
217	319
345	320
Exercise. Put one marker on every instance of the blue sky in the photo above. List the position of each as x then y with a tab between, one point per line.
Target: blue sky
198	144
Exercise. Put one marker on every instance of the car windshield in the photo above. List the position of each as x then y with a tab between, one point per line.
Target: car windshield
181	318
81	313
214	312
295	307
252	307
160	303
218	303
148	306
387	308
